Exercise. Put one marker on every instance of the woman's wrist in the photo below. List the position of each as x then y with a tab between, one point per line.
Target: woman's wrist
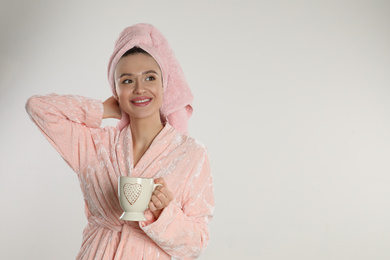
111	109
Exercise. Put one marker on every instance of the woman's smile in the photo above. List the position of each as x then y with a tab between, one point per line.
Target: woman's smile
141	101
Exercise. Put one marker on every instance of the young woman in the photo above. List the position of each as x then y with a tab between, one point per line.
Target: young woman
153	102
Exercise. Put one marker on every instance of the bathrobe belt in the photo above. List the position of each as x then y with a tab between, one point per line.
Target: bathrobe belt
120	227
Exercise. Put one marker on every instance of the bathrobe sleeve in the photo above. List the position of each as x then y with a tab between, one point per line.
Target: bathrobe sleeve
66	121
182	230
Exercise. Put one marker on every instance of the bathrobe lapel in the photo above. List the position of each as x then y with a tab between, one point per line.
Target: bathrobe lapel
151	164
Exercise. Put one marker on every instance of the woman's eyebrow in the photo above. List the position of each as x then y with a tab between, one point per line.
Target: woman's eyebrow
149	71
131	74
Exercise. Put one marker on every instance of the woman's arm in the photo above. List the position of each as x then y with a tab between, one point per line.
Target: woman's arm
182	230
66	121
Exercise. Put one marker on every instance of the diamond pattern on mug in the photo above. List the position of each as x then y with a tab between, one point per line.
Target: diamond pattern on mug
132	192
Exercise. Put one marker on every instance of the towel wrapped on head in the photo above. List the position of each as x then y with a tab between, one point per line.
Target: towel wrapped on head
177	97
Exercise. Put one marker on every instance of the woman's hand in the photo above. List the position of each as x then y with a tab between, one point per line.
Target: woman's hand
161	198
111	108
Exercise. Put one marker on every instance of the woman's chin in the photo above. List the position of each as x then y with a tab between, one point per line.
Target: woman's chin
145	116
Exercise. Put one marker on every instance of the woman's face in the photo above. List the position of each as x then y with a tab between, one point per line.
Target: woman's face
138	83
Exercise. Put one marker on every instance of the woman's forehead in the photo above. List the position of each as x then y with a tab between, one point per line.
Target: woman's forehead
137	63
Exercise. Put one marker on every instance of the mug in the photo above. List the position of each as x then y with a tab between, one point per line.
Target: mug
134	196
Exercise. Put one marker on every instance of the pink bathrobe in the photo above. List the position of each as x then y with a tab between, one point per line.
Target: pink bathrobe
100	155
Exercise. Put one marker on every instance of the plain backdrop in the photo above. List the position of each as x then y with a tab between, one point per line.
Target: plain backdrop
292	98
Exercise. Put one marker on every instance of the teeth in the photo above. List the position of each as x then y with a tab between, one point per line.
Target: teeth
142	101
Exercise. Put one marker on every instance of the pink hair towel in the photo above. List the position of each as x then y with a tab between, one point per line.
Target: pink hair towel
177	99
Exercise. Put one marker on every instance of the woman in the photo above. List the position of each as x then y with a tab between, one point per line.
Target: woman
153	102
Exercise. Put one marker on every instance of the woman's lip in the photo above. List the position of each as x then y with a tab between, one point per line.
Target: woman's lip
141	101
139	98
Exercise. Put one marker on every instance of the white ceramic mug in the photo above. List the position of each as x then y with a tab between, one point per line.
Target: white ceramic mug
134	196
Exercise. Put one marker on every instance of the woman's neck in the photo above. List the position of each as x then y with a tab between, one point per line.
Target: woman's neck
144	131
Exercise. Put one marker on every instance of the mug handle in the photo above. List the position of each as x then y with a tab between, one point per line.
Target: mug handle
156	185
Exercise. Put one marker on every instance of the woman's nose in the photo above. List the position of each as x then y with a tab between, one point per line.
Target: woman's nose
139	88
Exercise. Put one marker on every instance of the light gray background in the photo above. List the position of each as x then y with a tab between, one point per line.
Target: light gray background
292	99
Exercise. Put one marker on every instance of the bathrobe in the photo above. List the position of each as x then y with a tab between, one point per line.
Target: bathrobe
99	155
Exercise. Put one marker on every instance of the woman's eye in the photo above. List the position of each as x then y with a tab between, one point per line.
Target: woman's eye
150	78
127	81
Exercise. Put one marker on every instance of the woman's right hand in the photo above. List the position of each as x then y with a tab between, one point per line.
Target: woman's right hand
111	108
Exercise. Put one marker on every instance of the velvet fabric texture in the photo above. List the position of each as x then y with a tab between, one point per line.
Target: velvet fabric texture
177	99
100	155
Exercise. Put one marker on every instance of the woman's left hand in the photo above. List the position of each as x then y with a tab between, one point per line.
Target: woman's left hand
161	198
